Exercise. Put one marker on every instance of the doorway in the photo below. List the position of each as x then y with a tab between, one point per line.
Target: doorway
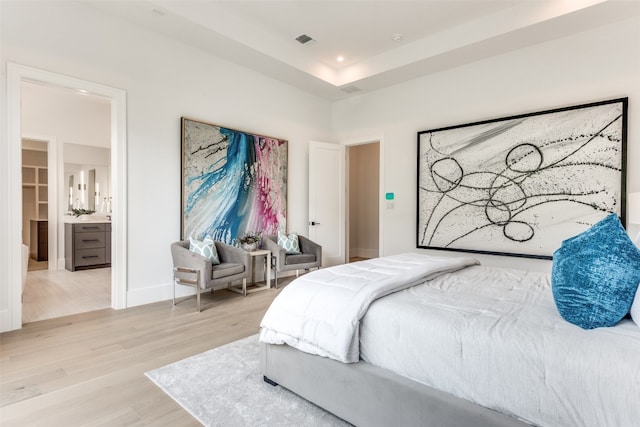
363	218
16	74
81	125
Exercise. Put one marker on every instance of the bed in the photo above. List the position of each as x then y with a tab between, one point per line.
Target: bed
470	345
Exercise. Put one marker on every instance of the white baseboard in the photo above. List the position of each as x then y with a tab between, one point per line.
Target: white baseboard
5	321
363	253
164	291
157	293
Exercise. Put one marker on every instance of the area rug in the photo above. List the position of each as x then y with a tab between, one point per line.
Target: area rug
224	387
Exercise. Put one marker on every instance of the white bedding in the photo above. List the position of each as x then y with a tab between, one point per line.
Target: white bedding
494	337
319	313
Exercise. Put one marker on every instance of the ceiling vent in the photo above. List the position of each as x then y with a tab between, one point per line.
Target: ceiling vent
303	39
350	89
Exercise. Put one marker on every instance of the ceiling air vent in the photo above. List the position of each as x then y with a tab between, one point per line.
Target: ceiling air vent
350	89
303	39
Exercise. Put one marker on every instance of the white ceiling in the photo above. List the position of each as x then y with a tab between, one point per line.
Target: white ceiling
437	34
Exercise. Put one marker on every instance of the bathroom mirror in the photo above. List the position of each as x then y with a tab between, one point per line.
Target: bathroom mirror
87	187
87	177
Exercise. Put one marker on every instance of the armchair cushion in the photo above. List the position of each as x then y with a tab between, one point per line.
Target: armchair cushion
206	248
289	243
299	259
226	269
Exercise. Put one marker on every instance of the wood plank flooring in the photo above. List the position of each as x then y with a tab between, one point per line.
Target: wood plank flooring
88	369
48	294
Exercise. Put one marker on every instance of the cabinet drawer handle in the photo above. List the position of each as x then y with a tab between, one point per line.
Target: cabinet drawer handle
89	256
91	228
90	240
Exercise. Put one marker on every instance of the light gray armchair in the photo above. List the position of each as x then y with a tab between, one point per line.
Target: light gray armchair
191	269
310	256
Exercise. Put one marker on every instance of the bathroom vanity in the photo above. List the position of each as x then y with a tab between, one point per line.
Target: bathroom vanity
87	244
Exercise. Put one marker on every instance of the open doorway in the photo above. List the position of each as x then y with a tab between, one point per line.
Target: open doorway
16	75
363	219
76	174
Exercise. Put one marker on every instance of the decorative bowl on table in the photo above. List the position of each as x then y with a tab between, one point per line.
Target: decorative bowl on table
249	247
249	241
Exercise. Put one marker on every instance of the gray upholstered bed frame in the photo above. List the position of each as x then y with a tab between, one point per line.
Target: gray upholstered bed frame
365	395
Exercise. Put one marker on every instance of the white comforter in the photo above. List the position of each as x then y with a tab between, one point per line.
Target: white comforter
494	337
319	313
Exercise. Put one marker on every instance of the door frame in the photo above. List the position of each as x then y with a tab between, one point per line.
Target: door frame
12	318
381	200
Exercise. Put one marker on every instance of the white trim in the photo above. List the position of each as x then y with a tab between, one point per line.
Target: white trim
363	252
157	293
119	284
12	319
52	202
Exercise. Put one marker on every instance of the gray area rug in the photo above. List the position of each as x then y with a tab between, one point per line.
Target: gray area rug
224	387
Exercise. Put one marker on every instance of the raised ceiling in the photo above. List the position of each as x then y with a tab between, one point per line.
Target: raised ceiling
436	34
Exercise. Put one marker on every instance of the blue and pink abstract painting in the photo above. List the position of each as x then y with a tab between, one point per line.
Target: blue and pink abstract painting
233	182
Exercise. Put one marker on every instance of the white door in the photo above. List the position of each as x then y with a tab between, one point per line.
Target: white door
327	200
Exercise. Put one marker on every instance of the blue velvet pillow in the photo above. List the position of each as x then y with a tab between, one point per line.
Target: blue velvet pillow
595	275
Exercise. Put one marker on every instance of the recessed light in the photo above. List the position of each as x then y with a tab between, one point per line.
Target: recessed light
397	37
340	58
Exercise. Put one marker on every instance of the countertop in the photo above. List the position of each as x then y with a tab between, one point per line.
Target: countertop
87	219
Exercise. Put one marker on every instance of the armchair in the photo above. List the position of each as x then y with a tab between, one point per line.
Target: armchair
195	270
310	256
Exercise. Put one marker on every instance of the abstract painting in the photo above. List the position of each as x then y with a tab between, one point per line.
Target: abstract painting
233	182
520	185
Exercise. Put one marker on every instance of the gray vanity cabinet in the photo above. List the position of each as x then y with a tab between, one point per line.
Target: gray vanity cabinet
87	245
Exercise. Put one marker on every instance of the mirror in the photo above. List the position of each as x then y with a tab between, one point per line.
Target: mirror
87	175
88	187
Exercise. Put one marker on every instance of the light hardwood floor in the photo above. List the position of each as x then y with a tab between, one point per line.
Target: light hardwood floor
88	369
48	294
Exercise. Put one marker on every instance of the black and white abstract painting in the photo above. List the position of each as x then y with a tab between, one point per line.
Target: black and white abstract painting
520	185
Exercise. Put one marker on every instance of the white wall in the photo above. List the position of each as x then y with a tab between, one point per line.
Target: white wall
603	63
164	80
69	116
